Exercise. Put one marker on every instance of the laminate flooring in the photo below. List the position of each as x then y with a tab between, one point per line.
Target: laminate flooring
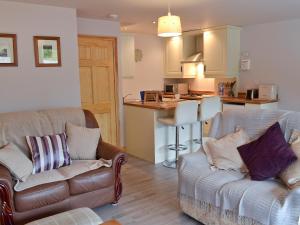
149	197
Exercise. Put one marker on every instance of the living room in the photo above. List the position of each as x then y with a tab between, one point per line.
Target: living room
154	110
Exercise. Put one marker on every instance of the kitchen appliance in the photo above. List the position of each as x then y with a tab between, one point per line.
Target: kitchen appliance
252	94
268	92
179	88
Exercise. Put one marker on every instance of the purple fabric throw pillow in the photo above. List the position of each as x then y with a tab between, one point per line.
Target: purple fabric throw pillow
267	156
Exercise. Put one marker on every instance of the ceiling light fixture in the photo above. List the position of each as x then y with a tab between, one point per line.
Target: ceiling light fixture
169	26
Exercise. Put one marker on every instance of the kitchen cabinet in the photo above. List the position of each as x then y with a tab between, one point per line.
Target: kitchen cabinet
221	47
234	106
173	57
127	55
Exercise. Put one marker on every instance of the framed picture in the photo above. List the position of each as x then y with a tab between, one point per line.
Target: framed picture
47	51
8	50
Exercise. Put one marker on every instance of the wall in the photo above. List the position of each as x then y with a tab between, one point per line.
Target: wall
26	87
108	29
274	51
148	72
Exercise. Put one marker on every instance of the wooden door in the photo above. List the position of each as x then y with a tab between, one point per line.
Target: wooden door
98	83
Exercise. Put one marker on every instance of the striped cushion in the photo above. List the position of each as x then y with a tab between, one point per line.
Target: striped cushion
48	152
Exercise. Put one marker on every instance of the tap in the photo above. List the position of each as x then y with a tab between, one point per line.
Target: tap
126	97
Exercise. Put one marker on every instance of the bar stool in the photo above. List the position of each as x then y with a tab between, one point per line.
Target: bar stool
185	113
209	107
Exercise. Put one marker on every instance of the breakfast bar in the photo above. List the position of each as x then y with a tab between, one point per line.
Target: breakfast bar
147	139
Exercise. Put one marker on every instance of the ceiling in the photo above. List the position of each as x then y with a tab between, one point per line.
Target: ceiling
137	15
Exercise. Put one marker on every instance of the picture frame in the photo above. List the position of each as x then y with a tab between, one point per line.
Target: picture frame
8	50
47	51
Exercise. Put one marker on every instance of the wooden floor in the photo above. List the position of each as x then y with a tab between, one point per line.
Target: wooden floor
149	197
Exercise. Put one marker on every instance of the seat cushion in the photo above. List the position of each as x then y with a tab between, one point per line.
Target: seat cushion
91	181
41	195
81	216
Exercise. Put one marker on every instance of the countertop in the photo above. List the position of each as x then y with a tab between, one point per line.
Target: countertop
244	101
172	105
153	105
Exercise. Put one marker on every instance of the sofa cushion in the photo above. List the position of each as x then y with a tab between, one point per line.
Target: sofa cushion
91	181
41	195
16	162
80	216
48	152
267	156
291	175
82	141
224	153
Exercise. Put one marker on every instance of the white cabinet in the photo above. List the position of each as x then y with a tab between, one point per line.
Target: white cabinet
173	57
234	106
221	51
127	55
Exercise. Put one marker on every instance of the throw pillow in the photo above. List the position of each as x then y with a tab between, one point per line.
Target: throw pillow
267	156
205	140
224	152
291	175
16	162
82	141
48	152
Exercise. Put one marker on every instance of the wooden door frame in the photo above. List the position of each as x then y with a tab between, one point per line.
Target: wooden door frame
116	77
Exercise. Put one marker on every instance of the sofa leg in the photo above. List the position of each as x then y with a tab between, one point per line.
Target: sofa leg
6	211
118	182
115	203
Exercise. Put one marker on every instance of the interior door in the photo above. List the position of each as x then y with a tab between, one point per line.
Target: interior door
98	83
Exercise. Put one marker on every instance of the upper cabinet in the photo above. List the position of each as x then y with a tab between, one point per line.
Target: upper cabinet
173	57
221	50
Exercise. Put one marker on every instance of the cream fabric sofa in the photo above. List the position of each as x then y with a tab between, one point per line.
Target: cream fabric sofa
220	197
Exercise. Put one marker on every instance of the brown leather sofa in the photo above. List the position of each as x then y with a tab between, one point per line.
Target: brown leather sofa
91	189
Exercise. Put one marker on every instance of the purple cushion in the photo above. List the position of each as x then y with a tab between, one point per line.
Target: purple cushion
267	156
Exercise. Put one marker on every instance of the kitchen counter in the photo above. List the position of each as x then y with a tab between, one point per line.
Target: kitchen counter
153	105
246	101
147	138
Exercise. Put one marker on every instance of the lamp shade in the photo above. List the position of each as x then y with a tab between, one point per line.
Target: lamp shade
169	26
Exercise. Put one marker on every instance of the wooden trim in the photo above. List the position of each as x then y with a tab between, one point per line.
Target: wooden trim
116	78
36	51
15	50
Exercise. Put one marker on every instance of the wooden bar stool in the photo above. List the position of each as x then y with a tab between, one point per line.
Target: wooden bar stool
185	113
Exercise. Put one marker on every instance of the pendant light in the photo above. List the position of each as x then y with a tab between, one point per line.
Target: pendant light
169	26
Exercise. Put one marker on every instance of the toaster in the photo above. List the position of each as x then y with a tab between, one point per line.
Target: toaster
267	92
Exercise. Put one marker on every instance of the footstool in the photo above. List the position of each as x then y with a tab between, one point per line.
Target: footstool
81	216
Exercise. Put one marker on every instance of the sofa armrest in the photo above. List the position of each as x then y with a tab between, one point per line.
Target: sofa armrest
119	158
6	196
108	151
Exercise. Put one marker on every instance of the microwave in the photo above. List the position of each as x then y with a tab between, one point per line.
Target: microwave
180	88
267	92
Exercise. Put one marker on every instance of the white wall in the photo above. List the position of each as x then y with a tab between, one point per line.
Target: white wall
275	58
148	72
26	87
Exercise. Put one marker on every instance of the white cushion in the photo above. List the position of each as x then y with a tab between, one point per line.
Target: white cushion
82	141
16	162
291	175
205	140
81	216
224	153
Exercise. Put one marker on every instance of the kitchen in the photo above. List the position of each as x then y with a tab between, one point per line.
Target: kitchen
157	64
